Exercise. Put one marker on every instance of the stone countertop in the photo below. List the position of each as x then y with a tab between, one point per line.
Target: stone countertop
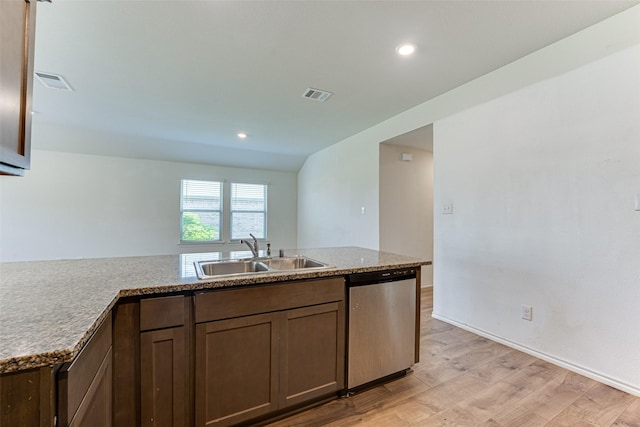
49	309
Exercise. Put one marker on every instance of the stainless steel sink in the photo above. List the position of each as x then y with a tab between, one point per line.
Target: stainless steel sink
206	269
292	263
234	267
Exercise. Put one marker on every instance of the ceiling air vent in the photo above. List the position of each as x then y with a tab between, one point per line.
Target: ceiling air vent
316	94
53	81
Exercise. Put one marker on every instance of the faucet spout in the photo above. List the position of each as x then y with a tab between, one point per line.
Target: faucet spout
252	245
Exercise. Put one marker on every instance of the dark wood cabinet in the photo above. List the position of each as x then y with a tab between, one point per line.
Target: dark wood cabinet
27	398
153	367
264	349
17	35
164	377
95	408
236	369
85	385
311	353
126	364
165	386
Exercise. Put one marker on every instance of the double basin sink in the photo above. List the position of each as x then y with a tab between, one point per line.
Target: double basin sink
229	267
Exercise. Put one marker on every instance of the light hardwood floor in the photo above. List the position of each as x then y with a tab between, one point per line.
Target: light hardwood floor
466	380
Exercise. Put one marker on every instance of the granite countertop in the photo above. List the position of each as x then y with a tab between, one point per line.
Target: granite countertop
49	309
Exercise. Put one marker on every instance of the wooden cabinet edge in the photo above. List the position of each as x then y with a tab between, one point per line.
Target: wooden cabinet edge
48	396
14	163
126	364
418	307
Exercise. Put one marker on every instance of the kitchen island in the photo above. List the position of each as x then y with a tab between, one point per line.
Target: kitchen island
50	310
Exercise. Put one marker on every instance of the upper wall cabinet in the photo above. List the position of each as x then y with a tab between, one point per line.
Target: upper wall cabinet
17	31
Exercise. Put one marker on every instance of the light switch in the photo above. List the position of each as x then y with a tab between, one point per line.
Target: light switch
447	208
363	210
638	202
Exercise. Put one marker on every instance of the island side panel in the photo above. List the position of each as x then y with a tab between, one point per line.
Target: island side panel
27	398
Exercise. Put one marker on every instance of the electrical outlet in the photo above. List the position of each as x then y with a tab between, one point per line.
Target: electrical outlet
527	312
447	208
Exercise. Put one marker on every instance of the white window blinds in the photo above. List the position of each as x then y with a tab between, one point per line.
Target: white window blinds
248	211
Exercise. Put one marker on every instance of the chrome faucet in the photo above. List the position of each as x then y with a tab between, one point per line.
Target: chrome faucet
253	246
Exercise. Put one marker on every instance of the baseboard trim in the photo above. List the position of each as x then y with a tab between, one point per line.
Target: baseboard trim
620	385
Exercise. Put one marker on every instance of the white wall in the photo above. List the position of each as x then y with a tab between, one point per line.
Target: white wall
543	184
78	205
336	184
613	272
406	204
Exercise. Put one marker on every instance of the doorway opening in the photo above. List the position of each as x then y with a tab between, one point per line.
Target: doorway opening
406	196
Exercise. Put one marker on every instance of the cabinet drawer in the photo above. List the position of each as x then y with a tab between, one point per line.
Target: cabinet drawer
162	312
76	378
218	305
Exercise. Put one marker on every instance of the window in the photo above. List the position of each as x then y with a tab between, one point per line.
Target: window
201	210
207	217
248	211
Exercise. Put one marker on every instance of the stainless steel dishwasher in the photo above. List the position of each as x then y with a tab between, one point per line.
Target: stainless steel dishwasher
382	325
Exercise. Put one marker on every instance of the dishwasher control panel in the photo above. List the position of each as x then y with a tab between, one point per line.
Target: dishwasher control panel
360	279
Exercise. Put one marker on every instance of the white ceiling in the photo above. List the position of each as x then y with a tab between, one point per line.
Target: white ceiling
178	79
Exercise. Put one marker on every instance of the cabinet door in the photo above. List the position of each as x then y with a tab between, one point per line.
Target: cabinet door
236	369
17	30
163	377
312	353
84	385
95	409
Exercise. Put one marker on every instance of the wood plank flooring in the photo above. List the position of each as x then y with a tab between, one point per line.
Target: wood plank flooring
466	380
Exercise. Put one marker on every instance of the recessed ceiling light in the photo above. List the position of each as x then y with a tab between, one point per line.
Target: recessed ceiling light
406	49
242	135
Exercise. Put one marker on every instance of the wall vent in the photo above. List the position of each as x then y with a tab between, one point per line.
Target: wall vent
53	81
316	94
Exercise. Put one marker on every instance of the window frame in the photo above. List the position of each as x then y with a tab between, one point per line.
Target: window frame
220	212
225	212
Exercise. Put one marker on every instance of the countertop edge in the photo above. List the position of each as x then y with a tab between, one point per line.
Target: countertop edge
40	360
